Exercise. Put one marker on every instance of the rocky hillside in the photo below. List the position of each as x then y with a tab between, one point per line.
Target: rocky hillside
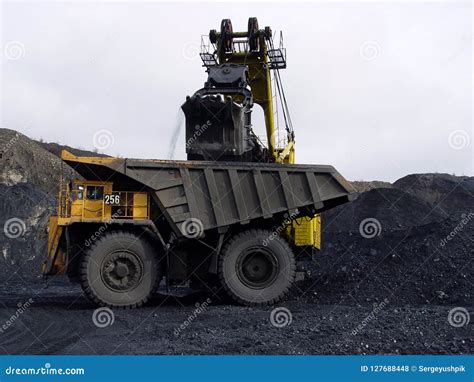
55	148
24	161
29	178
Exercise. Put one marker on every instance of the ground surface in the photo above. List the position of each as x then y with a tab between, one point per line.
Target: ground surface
60	321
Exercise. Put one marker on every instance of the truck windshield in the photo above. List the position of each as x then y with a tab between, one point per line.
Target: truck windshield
95	192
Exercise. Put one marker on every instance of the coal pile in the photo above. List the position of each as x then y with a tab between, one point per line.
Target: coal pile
449	195
364	186
410	266
25	211
411	244
394	209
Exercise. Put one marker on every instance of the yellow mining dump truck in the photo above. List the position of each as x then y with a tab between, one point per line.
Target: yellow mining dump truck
239	216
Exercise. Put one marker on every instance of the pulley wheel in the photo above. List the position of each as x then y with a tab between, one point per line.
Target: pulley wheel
226	35
254	42
213	36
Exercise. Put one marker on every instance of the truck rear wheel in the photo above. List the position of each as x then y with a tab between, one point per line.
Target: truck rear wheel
257	268
120	270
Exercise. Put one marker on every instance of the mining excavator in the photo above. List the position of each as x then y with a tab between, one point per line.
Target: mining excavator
239	217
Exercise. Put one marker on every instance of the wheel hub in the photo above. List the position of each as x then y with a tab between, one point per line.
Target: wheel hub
257	268
122	271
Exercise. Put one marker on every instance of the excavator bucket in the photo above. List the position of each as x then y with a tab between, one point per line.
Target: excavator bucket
211	124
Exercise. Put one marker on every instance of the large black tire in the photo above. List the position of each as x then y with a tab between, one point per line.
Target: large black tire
121	270
257	268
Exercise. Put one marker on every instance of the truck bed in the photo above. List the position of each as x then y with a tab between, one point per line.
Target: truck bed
221	194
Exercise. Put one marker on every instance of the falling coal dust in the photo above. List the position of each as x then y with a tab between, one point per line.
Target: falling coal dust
179	126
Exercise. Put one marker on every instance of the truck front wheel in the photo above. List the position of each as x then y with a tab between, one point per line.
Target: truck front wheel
120	270
257	267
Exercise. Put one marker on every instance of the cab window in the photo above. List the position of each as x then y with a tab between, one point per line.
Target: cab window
95	192
79	193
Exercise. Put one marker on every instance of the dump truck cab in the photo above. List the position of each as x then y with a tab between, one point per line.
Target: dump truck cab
97	201
84	201
94	202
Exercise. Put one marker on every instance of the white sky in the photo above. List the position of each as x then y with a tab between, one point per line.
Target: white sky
128	66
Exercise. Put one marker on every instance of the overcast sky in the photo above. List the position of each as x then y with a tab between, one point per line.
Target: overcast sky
379	90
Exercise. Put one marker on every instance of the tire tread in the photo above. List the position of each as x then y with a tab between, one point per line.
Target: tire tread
83	274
